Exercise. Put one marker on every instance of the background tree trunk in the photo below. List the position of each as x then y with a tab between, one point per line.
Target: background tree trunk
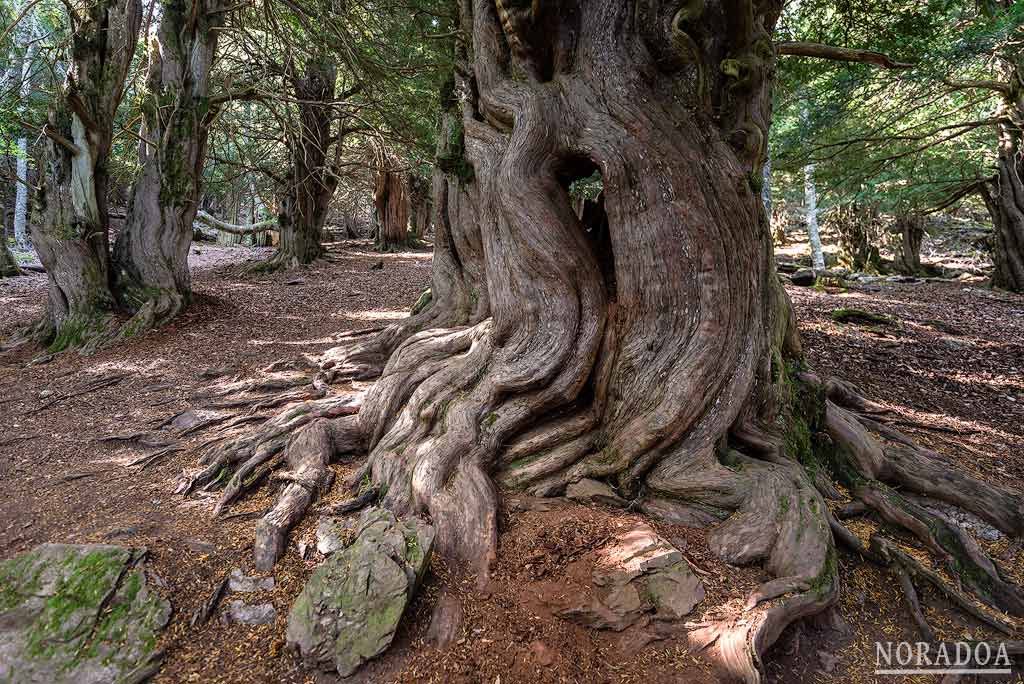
420	206
391	200
70	223
1005	197
8	265
311	182
811	209
21	198
909	234
858	229
151	253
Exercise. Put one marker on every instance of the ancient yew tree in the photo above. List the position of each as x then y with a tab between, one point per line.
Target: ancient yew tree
151	253
647	343
1004	196
312	179
390	200
70	225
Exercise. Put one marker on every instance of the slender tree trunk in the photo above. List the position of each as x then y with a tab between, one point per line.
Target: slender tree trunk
21	198
811	208
70	222
21	194
910	232
151	253
391	200
312	181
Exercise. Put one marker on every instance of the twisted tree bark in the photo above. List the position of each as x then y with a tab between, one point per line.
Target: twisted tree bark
70	225
311	181
647	343
151	252
1004	198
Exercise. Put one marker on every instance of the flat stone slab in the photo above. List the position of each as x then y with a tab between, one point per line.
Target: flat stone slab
594	491
241	612
78	614
349	609
239	582
637	576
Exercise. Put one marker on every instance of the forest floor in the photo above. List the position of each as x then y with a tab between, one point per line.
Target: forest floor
952	362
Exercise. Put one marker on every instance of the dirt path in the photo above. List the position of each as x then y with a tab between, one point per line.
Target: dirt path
955	361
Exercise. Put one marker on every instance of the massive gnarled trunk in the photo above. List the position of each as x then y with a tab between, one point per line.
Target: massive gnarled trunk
390	201
151	252
1004	197
311	181
646	342
70	225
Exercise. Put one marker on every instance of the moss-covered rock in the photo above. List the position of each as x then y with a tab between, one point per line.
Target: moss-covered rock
348	611
78	613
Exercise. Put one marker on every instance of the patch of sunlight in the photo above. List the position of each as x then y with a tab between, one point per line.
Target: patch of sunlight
292	343
375	315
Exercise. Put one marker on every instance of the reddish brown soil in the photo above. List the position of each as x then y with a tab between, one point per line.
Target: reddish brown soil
60	484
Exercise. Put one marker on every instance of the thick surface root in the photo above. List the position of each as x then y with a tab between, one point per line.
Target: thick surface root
242	460
307	456
159	308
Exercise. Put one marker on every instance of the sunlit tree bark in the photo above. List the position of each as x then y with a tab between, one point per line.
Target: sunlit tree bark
70	224
151	253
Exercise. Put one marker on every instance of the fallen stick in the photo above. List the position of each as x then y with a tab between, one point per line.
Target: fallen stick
91	387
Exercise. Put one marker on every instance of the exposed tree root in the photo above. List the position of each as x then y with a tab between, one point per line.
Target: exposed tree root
277	262
307	455
305	437
154	310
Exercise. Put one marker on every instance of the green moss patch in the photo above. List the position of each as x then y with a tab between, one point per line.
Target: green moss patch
77	613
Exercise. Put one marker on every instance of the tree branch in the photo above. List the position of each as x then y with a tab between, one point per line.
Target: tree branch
213	222
839	54
982	85
51	133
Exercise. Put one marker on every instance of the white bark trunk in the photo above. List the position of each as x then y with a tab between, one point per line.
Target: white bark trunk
811	205
21	194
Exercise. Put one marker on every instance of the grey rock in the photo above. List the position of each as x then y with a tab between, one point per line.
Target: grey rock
675	590
186	419
239	582
80	614
240	611
333	534
637	575
349	609
805	277
592	491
